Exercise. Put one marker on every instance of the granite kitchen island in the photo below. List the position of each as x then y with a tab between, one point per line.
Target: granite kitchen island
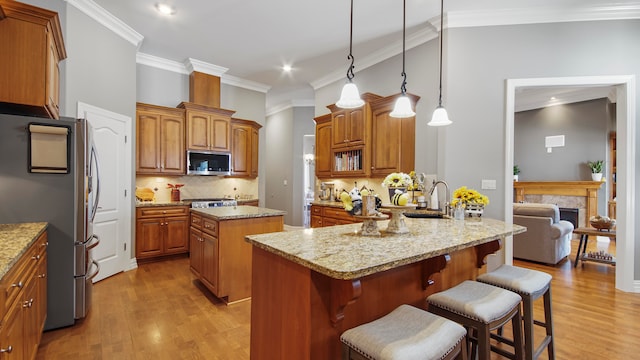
311	285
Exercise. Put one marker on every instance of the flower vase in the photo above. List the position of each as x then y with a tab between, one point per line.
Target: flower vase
392	191
175	195
474	209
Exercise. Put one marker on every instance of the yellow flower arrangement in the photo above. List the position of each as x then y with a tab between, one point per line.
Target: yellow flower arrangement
468	196
396	180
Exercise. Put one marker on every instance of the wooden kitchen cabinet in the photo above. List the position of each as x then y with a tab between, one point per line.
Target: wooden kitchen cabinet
323	216
323	146
161	231
160	140
221	258
392	139
244	148
32	47
208	128
24	305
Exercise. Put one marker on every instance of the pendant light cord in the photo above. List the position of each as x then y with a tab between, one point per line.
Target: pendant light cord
441	22
350	56
403	87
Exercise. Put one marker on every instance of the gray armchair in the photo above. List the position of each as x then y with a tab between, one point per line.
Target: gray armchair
547	239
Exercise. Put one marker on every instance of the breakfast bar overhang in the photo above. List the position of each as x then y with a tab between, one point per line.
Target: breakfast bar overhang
308	286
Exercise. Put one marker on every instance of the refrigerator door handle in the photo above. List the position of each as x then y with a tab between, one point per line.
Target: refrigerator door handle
94	236
94	157
97	270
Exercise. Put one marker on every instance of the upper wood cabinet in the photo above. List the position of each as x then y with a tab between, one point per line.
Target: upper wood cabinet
160	140
392	139
244	147
32	46
365	141
208	128
323	146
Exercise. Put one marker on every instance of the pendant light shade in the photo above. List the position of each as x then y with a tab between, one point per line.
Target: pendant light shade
350	97
440	116
402	109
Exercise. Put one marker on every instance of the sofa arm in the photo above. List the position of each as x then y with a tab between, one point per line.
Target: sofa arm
561	228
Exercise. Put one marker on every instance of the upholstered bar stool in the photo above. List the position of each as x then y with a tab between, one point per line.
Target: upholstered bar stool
530	285
481	308
406	333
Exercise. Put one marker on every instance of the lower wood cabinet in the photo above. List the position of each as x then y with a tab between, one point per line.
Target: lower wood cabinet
220	257
23	305
322	216
162	230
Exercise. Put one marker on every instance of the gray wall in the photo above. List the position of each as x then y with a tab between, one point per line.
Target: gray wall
161	87
285	131
477	62
585	126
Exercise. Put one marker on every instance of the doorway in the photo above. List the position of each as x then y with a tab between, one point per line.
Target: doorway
625	118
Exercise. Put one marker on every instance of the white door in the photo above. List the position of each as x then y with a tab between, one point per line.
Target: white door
112	138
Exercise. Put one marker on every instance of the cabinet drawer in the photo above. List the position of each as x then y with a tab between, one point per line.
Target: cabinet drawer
316	210
16	279
316	221
210	226
336	213
196	221
163	211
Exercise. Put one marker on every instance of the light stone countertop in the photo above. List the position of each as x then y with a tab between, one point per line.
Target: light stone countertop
341	253
180	203
238	212
15	239
329	203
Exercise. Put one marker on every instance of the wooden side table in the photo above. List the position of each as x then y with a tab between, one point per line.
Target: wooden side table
584	233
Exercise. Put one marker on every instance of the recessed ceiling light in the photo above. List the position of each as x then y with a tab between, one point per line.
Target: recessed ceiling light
165	9
286	68
553	98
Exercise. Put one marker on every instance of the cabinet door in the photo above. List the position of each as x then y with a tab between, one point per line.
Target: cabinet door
255	142
30	303
356	126
323	150
177	234
148	142
386	135
195	251
198	131
316	221
12	333
149	237
339	129
41	275
221	133
53	77
241	158
210	262
172	150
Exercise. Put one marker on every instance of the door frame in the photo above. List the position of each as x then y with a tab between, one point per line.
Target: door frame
128	262
626	127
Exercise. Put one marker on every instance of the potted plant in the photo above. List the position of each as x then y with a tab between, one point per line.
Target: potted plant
516	171
596	169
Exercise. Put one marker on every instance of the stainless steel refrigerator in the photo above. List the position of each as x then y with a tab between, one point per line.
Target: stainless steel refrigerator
65	194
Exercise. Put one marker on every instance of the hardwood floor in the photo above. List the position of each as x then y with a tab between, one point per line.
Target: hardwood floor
158	312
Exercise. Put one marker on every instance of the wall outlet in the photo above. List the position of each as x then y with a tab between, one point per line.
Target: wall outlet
488	184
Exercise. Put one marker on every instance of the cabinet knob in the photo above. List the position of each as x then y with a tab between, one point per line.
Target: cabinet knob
7	350
19	285
42	276
164	212
35	257
28	304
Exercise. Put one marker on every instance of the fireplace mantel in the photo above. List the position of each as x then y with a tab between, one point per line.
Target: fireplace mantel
586	189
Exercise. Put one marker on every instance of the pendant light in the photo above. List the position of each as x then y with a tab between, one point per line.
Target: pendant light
350	97
440	117
402	109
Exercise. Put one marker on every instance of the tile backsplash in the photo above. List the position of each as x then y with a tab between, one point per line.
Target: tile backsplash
199	187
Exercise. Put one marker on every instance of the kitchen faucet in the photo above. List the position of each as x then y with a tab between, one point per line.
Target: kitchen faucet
447	194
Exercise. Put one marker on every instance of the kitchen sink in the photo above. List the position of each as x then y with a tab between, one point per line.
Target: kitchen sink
424	214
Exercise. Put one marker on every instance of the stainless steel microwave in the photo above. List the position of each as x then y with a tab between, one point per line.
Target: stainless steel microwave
208	163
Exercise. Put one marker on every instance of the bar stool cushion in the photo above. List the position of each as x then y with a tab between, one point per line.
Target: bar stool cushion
478	301
517	279
405	333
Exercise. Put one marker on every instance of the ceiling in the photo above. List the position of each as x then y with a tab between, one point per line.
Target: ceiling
253	39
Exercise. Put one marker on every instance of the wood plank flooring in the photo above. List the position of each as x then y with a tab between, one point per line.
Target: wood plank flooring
158	312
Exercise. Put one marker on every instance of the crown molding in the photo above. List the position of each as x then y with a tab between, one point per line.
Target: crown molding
416	38
244	83
289	105
161	63
192	65
102	16
537	16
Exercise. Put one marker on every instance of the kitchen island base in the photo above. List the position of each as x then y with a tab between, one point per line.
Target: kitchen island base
298	313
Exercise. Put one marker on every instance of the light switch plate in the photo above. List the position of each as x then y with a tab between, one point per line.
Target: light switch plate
488	184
